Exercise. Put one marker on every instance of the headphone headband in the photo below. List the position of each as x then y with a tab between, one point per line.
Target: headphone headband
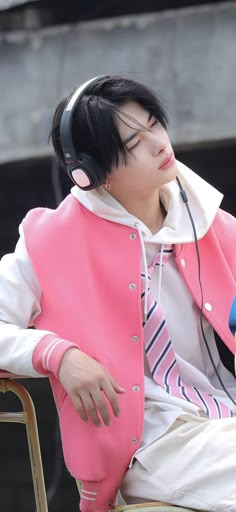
84	167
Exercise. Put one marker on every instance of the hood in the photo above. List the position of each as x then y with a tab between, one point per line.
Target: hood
203	199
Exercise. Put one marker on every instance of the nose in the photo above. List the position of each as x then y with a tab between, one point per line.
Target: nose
158	145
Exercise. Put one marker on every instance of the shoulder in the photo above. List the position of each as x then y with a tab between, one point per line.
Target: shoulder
42	226
224	225
46	221
40	216
224	230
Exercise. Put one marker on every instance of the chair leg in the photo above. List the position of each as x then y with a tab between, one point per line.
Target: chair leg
28	418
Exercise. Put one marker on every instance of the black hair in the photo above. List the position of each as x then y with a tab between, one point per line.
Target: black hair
95	127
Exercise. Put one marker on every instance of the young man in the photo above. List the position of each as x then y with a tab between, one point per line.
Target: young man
129	284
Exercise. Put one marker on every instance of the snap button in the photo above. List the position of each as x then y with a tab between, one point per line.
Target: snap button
132	236
136	388
182	262
135	338
132	286
134	440
208	306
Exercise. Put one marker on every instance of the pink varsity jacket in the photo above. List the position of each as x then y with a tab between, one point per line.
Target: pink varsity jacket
85	266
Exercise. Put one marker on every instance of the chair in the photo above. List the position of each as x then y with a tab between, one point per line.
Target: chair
28	417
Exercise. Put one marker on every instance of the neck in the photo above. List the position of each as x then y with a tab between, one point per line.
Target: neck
147	209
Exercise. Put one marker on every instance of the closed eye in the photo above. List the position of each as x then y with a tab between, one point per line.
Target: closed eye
153	122
134	142
134	145
134	139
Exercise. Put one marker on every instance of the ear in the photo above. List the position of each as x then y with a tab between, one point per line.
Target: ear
107	184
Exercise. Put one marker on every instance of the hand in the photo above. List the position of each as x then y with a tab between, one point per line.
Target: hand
86	381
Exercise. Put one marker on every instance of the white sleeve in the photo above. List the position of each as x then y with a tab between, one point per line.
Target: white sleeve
19	305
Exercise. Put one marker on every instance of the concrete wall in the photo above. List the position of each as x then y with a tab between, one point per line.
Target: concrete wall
187	55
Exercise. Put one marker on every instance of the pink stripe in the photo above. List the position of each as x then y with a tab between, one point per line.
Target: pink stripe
152	325
193	396
165	257
159	345
173	374
150	329
223	408
163	369
163	365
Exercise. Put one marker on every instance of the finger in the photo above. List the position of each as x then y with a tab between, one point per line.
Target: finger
90	408
115	385
101	406
80	408
112	398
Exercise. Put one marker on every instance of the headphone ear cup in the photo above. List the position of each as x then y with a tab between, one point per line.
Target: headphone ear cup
86	172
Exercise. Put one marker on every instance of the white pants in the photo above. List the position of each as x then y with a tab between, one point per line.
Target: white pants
192	465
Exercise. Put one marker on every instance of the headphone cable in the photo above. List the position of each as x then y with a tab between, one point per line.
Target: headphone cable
185	200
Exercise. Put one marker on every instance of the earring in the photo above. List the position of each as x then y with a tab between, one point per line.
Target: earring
107	185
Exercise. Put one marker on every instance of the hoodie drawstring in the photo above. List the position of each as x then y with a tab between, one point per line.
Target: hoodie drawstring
160	274
159	260
145	267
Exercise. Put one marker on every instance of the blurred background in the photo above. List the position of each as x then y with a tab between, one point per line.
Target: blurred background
185	51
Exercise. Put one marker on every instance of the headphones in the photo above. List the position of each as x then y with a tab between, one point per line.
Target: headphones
82	168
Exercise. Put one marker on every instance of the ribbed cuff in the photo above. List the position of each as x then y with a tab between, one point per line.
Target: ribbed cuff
48	354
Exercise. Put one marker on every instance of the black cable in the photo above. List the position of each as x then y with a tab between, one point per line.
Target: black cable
185	200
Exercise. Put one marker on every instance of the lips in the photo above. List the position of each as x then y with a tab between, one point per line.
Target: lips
167	162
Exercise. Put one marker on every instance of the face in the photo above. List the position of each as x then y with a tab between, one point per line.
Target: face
151	161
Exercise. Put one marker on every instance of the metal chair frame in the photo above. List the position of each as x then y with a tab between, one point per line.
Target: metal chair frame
167	507
28	417
153	506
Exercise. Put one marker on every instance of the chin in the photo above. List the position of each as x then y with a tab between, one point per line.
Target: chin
170	174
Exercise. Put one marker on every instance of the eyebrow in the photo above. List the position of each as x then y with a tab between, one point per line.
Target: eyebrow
135	133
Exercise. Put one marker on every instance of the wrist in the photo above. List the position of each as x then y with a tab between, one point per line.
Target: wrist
48	354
